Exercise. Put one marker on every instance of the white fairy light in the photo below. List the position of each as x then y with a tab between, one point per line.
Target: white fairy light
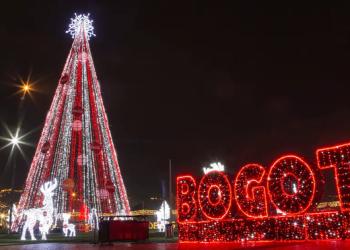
42	214
216	166
295	189
279	211
79	22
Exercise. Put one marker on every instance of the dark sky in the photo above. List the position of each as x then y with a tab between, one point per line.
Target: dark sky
189	81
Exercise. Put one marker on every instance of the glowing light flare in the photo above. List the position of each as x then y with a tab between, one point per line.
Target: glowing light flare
14	140
81	23
26	88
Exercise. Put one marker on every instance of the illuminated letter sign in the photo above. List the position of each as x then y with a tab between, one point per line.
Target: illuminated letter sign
338	157
214	195
291	171
275	203
186	202
250	192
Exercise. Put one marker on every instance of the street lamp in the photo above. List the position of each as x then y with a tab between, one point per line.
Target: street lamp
26	87
14	141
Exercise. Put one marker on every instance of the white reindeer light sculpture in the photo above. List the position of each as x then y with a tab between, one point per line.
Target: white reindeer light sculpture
68	228
43	214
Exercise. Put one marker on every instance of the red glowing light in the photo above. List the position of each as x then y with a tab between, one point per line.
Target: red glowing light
338	157
251	201
214	205
291	188
301	200
186	204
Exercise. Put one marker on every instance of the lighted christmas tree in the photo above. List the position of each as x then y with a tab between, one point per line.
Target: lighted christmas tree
76	145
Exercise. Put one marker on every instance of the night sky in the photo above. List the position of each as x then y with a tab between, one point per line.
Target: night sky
187	81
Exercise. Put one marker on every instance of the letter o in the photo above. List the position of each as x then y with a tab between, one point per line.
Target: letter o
214	195
300	198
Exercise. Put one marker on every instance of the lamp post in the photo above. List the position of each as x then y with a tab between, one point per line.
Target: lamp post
14	141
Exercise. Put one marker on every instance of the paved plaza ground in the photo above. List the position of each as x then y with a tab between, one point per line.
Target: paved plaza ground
303	245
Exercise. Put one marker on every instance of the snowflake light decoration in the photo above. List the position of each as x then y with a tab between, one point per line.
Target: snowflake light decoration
81	21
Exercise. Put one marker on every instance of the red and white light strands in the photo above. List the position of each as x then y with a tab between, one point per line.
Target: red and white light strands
267	204
76	144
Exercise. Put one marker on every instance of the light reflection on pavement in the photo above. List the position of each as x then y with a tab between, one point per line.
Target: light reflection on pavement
302	245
